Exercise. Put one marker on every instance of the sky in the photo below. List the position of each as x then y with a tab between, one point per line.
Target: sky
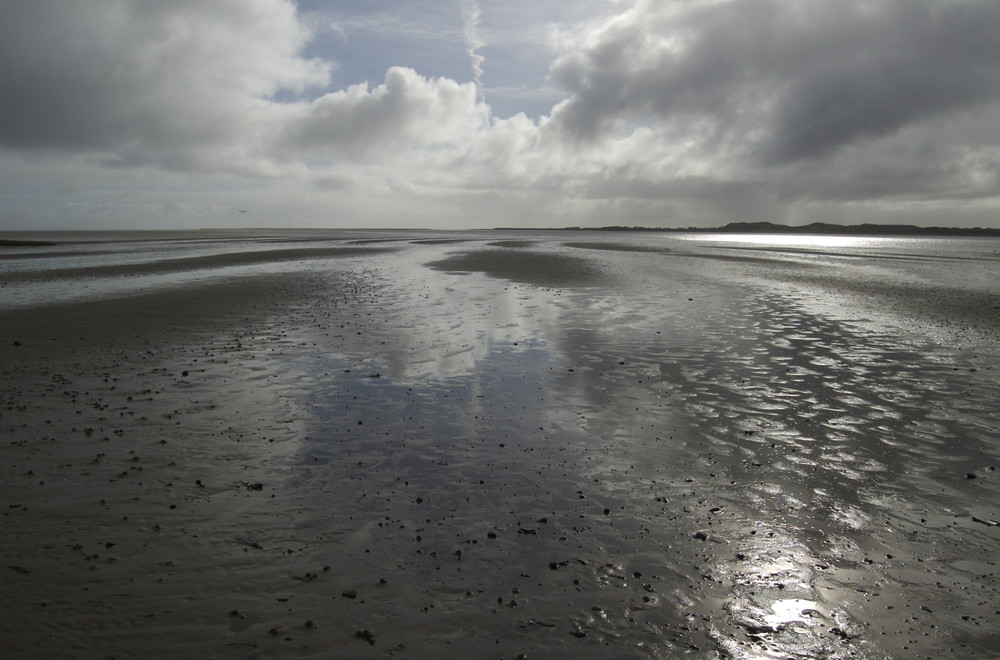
130	114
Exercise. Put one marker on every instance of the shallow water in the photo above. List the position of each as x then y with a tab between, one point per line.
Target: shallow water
601	444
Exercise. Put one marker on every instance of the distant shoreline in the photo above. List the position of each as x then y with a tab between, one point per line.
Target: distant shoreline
813	228
14	243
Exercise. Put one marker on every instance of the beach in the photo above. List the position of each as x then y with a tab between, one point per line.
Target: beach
509	444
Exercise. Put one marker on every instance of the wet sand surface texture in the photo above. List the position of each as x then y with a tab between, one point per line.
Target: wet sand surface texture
497	445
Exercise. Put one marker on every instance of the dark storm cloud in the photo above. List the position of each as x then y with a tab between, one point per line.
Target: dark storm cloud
784	80
106	74
914	61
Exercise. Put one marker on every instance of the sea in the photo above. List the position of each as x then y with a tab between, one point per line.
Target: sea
79	265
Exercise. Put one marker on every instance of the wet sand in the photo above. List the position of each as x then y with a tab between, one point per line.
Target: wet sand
209	262
502	449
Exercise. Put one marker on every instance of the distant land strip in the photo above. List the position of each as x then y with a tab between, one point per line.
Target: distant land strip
13	243
867	229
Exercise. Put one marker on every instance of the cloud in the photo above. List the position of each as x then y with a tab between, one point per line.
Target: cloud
473	42
781	81
406	111
130	76
950	157
654	111
191	86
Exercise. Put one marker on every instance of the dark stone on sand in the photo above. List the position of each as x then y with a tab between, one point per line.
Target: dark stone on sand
366	635
349	593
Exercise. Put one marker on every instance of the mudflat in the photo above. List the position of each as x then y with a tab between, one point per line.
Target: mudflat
500	446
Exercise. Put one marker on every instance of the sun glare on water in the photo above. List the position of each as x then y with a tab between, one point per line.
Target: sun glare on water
791	240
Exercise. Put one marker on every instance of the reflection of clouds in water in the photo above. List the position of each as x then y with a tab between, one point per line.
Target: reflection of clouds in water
452	322
789	240
791	610
785	601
